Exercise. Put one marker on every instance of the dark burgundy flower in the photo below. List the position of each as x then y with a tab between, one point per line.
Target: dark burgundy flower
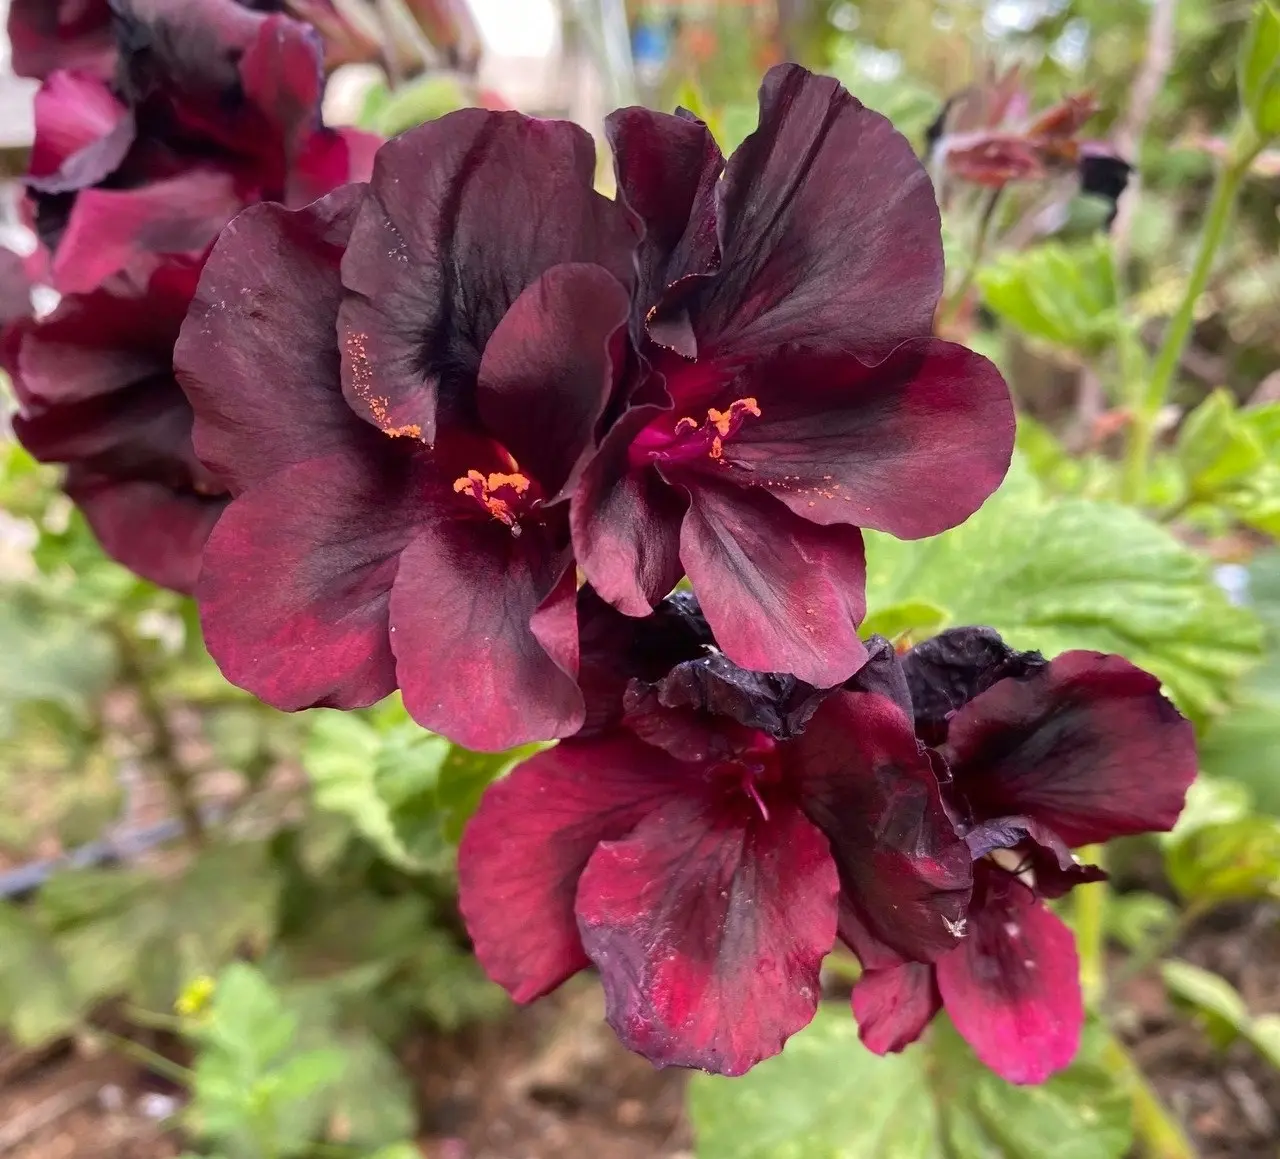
440	353
795	395
52	34
215	106
701	851
1043	755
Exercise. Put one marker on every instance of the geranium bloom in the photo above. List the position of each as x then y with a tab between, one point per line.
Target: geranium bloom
440	352
49	34
216	107
703	847
1043	755
796	394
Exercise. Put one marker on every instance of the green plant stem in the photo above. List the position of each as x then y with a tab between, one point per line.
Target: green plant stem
1159	1134
1157	948
1091	936
951	307
1151	400
147	1057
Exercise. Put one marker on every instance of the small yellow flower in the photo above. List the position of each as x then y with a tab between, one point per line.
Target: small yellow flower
194	999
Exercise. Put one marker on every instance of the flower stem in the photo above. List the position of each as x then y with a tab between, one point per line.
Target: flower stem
1150	401
145	1056
1160	1135
1091	935
952	306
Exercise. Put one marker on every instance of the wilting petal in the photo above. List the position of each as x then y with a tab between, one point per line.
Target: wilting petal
265	313
470	660
294	593
911	446
709	925
82	133
1033	853
882	674
548	370
67	34
905	875
1085	745
893	1006
947	671
668	168
829	231
781	594
113	230
626	523
154	530
1012	987
464	213
528	843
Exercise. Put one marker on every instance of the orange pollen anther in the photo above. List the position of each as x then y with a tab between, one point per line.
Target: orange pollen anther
485	490
723	422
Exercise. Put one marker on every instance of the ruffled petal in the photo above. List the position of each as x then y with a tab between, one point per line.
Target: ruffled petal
1033	853
709	925
893	1006
528	843
781	594
69	34
1085	745
82	133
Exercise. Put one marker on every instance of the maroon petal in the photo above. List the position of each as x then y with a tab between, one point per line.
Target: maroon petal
781	594
484	629
893	1006
1012	987
265	313
68	34
1086	746
113	230
829	232
282	72
82	133
1036	855
327	159
626	523
528	843
155	531
841	442
317	547
548	370
905	875
709	925
464	213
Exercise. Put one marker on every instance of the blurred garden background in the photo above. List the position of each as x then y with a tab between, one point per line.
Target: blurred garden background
231	932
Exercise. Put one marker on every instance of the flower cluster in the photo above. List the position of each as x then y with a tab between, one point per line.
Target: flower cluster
213	106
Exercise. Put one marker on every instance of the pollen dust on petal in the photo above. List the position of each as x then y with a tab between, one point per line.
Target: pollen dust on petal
362	384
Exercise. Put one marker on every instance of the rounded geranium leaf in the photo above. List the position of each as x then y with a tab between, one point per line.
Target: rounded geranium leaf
781	594
526	847
708	925
1085	745
894	1005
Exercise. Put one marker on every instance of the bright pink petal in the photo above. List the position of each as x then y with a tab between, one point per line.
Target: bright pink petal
894	1006
327	159
1086	746
781	594
1012	987
528	843
82	133
709	925
69	34
829	231
906	876
841	442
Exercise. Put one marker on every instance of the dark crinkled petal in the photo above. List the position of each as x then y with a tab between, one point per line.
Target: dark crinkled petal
70	34
882	674
484	629
1012	986
668	168
829	232
464	213
947	671
904	873
1033	853
529	841
1085	745
781	594
911	446
265	313
708	925
893	1006
548	370
626	523
82	133
297	578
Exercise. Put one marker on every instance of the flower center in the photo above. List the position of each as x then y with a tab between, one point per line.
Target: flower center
691	439
506	497
752	771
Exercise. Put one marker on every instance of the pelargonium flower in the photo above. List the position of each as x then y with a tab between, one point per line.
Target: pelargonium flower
216	106
440	351
785	309
704	843
1043	756
50	34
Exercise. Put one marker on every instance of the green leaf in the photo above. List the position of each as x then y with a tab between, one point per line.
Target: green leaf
1055	574
914	617
827	1097
1138	919
1258	71
1221	1009
1216	447
37	1000
431	96
1210	801
1228	861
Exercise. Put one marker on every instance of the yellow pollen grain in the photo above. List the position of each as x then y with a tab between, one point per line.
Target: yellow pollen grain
362	384
518	483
